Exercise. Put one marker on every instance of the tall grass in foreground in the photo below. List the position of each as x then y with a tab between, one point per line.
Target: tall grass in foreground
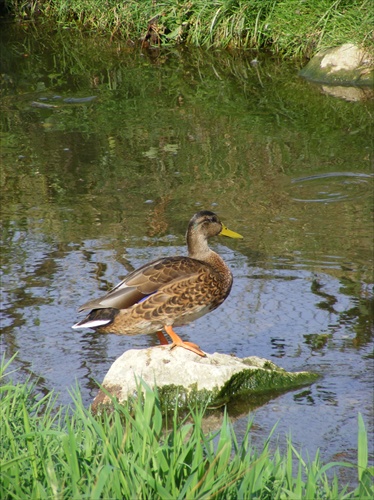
69	453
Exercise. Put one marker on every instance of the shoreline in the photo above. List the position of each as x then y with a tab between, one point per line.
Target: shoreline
290	29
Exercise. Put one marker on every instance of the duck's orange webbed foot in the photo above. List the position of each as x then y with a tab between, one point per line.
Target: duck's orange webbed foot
178	342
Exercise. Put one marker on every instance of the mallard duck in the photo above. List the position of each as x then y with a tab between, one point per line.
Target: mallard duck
167	292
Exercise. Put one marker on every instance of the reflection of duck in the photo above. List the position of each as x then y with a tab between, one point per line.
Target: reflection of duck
169	291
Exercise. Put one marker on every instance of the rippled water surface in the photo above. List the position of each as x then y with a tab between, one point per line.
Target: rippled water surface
93	188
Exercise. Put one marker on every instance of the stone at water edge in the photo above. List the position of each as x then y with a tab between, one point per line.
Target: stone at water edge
344	65
215	379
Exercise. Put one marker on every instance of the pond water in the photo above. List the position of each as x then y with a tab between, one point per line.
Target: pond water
108	151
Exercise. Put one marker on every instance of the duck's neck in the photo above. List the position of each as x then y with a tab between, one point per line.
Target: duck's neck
198	248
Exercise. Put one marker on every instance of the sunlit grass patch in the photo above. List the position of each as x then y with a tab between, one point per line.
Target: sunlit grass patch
291	27
137	452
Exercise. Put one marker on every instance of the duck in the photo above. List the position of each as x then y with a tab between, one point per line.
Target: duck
167	292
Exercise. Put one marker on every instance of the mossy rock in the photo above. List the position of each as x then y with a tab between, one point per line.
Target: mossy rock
183	378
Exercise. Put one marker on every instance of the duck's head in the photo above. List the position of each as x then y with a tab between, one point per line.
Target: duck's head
202	226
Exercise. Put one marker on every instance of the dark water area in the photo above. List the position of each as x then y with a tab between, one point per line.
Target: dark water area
106	153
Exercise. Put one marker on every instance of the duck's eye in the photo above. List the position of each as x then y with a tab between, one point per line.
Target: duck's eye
209	219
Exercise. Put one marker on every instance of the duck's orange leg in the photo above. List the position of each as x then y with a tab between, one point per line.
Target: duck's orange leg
178	342
161	337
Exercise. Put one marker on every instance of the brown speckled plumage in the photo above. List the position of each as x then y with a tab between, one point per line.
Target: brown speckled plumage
169	291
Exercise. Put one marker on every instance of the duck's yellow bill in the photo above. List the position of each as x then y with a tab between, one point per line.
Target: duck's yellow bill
231	234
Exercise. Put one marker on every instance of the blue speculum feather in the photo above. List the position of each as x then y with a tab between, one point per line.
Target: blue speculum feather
145	297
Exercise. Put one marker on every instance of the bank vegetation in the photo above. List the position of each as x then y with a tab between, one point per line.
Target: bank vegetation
137	452
293	28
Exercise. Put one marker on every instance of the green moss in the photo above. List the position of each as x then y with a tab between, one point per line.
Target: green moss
262	381
254	381
176	396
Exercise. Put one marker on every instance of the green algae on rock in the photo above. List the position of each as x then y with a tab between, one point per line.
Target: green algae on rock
182	378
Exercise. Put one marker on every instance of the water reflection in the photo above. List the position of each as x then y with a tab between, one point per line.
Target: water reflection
93	190
333	186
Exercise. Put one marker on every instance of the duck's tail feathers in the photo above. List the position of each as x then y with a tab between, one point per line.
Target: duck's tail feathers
97	323
97	318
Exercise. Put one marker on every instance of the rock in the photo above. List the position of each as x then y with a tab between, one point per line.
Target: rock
344	65
352	94
215	380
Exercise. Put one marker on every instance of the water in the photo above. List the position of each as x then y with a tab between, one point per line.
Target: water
93	188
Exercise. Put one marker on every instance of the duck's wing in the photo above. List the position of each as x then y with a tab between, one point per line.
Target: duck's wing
145	281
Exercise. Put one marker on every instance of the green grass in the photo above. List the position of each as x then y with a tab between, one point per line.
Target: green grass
50	452
291	27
